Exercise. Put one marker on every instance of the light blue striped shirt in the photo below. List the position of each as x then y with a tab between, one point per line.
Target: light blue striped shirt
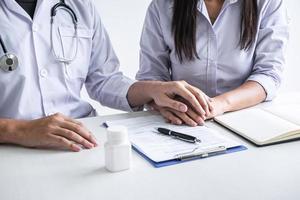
222	66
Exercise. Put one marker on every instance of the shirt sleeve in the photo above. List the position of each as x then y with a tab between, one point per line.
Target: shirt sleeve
105	83
154	53
272	40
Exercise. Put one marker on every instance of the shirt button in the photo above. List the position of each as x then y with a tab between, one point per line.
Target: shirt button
43	73
35	27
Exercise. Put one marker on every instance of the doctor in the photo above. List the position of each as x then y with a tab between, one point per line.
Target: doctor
49	50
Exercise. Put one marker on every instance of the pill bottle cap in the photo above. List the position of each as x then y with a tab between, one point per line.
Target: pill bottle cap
117	134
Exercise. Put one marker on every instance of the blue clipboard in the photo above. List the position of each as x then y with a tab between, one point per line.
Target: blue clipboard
174	162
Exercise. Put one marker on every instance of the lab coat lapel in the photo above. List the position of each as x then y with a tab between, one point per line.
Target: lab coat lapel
40	6
16	8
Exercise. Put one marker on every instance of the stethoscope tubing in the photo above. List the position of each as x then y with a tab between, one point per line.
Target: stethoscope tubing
61	5
3	45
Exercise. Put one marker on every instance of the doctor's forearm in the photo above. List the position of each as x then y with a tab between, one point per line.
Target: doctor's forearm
7	130
139	93
249	94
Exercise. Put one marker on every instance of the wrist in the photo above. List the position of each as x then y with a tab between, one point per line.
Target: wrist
224	102
151	89
142	92
10	129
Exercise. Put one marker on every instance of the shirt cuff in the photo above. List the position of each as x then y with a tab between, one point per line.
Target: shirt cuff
269	85
125	106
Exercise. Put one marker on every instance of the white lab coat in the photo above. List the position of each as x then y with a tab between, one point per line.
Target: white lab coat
42	85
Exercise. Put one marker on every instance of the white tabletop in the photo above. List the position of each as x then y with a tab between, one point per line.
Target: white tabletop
267	173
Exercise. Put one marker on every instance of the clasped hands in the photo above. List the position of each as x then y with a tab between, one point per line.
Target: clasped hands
200	107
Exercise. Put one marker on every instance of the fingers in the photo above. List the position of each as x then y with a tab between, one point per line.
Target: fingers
185	93
72	131
201	97
192	95
185	118
80	131
170	117
203	102
78	128
195	116
171	103
72	120
59	132
175	117
211	108
61	142
74	137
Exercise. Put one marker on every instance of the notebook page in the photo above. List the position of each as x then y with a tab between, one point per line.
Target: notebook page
157	147
257	124
290	112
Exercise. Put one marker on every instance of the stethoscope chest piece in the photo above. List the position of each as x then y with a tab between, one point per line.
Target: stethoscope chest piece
9	62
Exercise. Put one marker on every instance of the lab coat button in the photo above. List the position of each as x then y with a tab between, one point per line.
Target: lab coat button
43	72
35	28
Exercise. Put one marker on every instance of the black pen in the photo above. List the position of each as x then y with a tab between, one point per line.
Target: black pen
179	136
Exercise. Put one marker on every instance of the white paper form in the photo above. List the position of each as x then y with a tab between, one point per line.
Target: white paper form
144	136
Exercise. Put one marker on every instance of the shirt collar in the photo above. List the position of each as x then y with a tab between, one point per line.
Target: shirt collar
202	1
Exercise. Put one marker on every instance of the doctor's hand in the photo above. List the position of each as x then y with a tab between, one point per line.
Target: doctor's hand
55	132
163	95
190	117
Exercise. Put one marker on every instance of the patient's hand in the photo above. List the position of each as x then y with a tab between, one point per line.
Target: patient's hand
190	117
218	107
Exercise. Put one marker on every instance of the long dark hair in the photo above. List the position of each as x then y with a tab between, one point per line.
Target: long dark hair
184	24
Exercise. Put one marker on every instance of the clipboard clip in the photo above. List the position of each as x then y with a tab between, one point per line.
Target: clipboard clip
201	154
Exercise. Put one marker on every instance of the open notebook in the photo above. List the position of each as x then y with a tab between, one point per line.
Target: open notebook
265	126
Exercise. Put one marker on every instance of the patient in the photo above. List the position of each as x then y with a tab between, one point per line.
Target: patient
233	51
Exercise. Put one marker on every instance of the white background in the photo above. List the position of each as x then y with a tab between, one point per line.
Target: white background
124	20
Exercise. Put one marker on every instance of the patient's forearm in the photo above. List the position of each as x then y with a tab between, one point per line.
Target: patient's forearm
249	94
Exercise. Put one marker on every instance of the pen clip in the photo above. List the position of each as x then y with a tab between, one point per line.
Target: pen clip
185	140
179	136
202	154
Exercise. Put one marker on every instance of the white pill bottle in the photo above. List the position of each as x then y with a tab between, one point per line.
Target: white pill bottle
117	149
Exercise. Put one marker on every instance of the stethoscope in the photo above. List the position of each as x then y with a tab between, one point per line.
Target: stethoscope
9	61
